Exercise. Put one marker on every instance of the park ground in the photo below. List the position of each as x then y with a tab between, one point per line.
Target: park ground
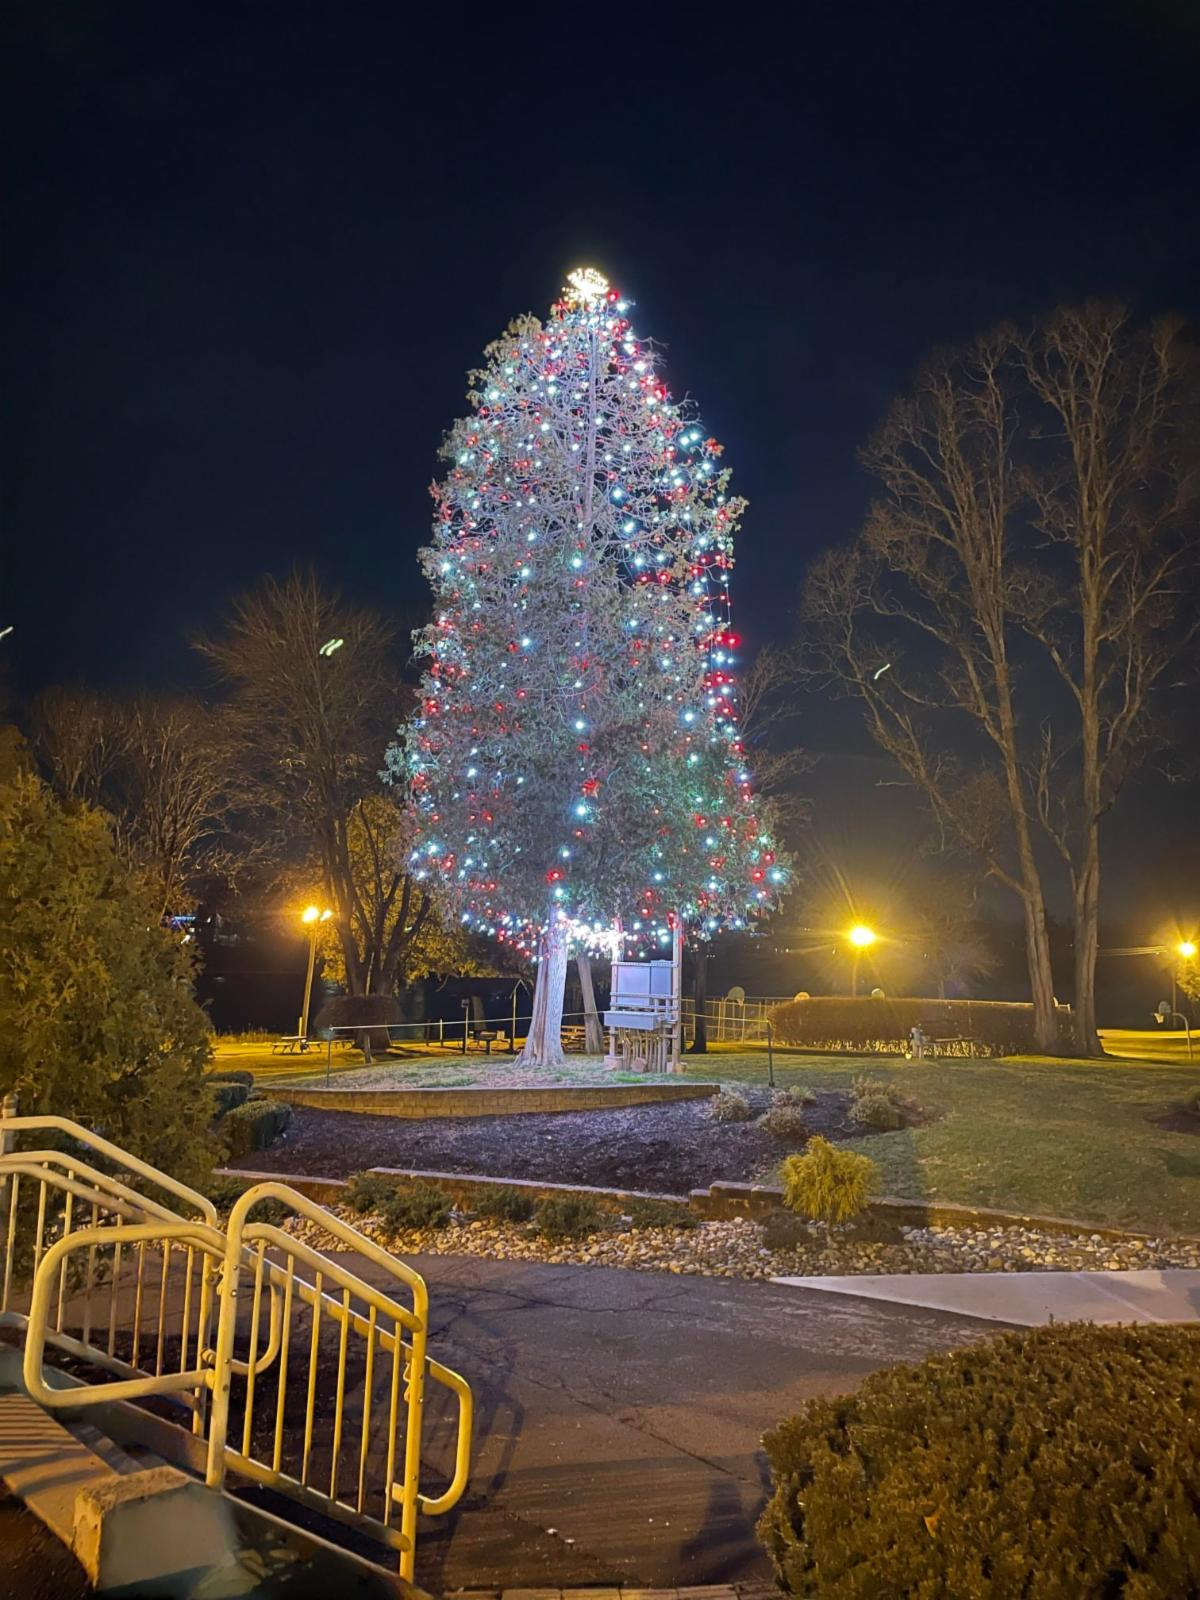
1106	1141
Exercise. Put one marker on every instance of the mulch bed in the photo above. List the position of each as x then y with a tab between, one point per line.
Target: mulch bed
665	1149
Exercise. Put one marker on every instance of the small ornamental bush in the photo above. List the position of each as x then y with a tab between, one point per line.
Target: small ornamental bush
1055	1464
367	1192
828	1184
255	1125
659	1214
878	1112
785	1123
568	1216
423	1206
729	1105
503	1204
881	1105
782	1230
228	1096
233	1075
793	1096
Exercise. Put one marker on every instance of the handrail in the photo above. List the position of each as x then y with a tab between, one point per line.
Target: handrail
129	1163
391	1329
462	1449
207	1239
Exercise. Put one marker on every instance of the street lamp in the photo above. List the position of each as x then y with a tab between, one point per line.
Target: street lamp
312	917
862	938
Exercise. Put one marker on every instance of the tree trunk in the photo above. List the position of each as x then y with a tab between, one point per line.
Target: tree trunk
543	1046
594	1033
1041	977
699	1044
1087	942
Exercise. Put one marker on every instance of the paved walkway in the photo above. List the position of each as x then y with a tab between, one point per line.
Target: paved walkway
619	1415
1030	1299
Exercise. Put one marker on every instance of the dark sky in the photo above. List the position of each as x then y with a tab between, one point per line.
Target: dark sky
251	249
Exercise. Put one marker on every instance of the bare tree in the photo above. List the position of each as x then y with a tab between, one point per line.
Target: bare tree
1036	495
315	696
158	764
1113	478
77	734
916	619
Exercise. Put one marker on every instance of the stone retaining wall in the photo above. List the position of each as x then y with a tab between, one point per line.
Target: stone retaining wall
419	1103
719	1202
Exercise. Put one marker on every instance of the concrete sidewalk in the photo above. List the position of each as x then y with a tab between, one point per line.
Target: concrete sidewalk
1030	1299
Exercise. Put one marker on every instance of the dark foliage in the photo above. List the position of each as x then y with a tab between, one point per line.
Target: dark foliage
1059	1463
839	1022
256	1125
569	1216
502	1203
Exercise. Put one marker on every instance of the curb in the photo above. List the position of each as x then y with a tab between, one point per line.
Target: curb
720	1202
712	1591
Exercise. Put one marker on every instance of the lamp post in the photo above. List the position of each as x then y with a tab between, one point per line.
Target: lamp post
1186	951
861	938
312	917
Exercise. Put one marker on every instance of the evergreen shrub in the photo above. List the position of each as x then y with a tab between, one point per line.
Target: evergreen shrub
827	1183
256	1125
502	1203
569	1216
1055	1464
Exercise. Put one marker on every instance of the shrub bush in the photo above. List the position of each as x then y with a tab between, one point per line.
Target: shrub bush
659	1214
569	1216
366	1192
255	1125
881	1105
877	1111
793	1096
839	1022
783	1230
227	1096
97	1017
1059	1462
422	1206
729	1105
233	1075
504	1204
828	1184
785	1123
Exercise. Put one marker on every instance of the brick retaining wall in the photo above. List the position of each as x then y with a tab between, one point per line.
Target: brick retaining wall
418	1103
719	1202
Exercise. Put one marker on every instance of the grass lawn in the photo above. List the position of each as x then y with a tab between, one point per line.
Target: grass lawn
1058	1138
1062	1138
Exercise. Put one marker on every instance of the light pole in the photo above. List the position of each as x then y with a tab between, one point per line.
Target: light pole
312	918
861	938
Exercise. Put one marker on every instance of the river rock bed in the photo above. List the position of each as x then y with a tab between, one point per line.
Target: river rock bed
735	1249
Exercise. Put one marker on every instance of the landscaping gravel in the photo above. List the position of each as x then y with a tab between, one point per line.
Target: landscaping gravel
660	1149
735	1249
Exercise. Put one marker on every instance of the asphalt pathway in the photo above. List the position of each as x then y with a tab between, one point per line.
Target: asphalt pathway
619	1414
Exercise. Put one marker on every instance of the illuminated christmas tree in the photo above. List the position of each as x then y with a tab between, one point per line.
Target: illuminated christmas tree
575	756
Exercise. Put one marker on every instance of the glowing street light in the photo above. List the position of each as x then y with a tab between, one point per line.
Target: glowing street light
861	938
1186	949
312	917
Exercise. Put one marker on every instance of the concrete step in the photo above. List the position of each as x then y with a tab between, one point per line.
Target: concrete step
158	1531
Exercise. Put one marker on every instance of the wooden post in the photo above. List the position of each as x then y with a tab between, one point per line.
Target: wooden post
676	992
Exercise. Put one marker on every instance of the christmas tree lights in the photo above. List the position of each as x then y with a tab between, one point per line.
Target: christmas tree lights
575	756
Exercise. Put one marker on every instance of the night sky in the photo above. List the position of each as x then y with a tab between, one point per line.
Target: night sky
251	250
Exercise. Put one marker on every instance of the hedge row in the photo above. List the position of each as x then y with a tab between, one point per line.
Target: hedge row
1060	1463
836	1022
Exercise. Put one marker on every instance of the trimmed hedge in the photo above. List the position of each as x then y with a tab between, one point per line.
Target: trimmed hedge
838	1022
1056	1464
255	1125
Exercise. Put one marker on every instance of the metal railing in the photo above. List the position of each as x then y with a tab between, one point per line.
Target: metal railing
308	1364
